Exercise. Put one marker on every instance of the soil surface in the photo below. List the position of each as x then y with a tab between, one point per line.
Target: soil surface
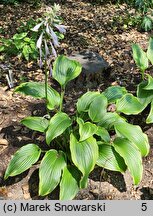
89	28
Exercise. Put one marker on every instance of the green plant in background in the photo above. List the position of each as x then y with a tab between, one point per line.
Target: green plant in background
77	144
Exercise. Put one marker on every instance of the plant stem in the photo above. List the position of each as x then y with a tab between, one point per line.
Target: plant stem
62	97
46	85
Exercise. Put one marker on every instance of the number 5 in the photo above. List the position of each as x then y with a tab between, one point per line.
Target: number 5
144	206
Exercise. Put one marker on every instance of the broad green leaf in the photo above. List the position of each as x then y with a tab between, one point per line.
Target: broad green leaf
114	92
145	97
110	159
23	159
26	52
135	135
149	86
57	125
65	70
98	108
86	129
37	90
129	105
84	156
85	100
36	123
50	170
132	157
140	57
2	48
110	119
69	186
103	133
150	51
20	36
150	116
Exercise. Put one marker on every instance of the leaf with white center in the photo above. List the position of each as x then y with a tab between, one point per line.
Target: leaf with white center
69	185
22	160
132	157
110	159
36	123
129	105
86	129
114	92
98	108
84	155
50	171
85	100
150	50
37	90
135	135
140	57
65	69
57	125
149	119
103	133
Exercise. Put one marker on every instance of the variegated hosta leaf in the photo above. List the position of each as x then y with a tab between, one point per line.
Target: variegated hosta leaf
110	119
150	50
144	96
149	86
129	105
140	57
110	159
36	123
103	133
84	155
114	92
37	90
98	108
85	100
23	159
150	116
132	157
69	185
65	69
135	135
57	125
86	129
50	170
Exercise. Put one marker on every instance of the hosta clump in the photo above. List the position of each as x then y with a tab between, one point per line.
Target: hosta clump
83	140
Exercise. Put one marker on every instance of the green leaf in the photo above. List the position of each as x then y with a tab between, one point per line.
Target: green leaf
147	23
65	70
98	108
149	86
2	48
144	96
58	124
20	36
103	133
132	157
85	100
36	123
150	51
37	90
69	183
50	171
110	119
110	159
114	92
140	57
150	116
26	52
86	130
22	160
84	156
135	135
129	105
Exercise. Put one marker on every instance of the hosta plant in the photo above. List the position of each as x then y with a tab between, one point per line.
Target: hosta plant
96	135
